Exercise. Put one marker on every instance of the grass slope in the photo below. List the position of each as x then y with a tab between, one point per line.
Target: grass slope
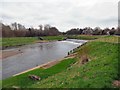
100	72
16	41
23	80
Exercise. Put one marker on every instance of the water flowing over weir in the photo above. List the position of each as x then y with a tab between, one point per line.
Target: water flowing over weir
37	54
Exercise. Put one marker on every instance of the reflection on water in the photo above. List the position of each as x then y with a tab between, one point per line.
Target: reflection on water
37	54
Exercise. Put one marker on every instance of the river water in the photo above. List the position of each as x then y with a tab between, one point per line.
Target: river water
37	54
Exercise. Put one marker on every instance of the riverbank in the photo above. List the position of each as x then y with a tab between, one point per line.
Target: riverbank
99	72
24	80
6	54
14	42
35	54
9	51
47	65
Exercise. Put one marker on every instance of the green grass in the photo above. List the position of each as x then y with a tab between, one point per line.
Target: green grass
23	80
85	37
111	39
0	41
99	72
60	37
16	41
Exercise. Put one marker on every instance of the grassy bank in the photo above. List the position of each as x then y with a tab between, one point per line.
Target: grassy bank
110	39
52	38
99	72
17	41
85	37
23	80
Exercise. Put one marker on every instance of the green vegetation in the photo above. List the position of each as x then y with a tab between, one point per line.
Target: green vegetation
60	37
85	37
0	41
17	41
99	72
23	80
111	39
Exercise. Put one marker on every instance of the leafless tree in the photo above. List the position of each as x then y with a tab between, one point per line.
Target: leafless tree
14	26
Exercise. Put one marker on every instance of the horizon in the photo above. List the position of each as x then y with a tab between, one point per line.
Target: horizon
64	14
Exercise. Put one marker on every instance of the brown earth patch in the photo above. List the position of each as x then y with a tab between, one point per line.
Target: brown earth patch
116	83
5	54
41	41
49	64
71	55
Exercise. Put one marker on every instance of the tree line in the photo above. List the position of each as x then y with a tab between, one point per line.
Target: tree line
19	30
95	31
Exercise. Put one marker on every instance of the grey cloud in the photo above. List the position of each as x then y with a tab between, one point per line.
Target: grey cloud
63	14
4	16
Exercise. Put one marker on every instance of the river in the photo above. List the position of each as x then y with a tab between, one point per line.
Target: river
37	54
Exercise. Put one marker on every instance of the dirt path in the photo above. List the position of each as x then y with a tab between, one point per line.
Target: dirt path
5	54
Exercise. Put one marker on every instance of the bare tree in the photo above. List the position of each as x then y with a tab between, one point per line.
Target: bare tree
6	31
40	27
47	27
20	27
14	26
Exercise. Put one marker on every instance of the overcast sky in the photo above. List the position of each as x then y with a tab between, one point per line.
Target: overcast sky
64	14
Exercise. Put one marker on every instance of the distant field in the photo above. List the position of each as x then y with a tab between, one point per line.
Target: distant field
85	37
53	37
16	41
99	72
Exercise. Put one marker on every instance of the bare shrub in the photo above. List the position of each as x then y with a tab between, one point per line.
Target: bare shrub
84	59
83	54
